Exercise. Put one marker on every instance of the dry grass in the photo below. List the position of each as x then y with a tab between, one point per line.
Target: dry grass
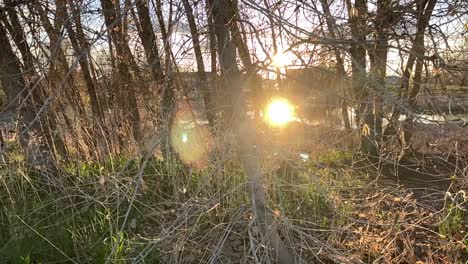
331	208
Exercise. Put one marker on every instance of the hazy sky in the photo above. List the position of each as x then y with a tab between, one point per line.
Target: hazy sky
295	21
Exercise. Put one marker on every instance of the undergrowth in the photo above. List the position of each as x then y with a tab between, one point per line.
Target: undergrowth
94	213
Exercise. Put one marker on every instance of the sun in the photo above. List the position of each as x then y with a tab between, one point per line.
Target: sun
279	112
280	59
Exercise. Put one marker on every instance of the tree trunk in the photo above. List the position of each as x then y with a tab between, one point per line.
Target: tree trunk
17	93
82	55
200	65
357	22
339	63
58	63
246	134
149	40
83	41
241	45
212	36
167	92
37	91
207	96
19	37
378	53
237	37
425	8
127	93
165	32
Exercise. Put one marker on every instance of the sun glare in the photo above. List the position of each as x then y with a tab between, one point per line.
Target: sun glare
279	112
279	60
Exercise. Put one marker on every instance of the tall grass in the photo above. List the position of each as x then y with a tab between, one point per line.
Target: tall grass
186	215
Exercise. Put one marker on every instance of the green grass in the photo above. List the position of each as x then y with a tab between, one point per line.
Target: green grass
44	227
44	224
456	88
336	157
79	217
452	220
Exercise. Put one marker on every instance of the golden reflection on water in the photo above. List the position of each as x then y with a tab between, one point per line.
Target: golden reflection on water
279	112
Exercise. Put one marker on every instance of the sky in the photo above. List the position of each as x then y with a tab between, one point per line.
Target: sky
297	22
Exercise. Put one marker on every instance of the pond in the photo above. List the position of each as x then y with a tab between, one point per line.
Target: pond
460	119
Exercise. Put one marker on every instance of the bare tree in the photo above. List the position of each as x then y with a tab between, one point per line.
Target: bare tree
378	62
149	40
245	132
331	25
59	66
82	56
19	97
207	96
168	90
114	27
424	10
357	22
212	36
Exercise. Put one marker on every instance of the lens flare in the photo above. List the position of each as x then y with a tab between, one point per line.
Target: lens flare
190	138
279	112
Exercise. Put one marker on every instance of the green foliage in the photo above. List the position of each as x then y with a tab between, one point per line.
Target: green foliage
3	99
115	246
452	221
315	201
336	157
25	260
45	225
84	223
29	227
111	165
456	88
300	193
81	220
